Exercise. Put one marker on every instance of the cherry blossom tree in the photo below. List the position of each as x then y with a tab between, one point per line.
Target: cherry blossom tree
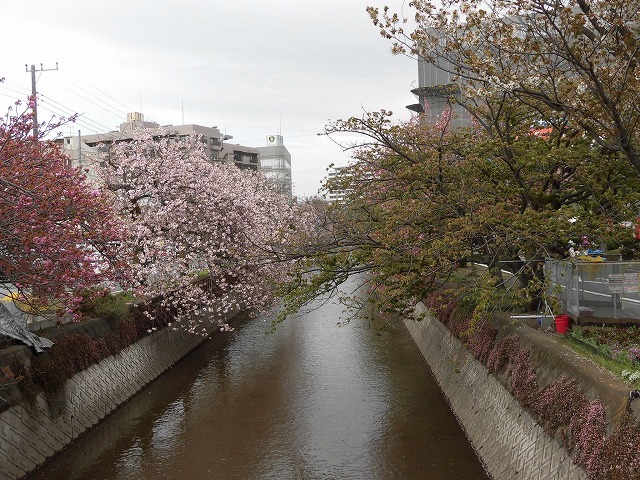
574	61
550	154
423	198
395	229
58	235
207	237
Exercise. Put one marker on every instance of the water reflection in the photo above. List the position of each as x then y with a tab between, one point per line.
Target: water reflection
167	428
131	459
312	401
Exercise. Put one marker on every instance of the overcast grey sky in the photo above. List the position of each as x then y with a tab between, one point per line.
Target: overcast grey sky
250	67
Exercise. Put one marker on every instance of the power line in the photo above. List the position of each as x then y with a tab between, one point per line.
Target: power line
59	109
129	109
56	107
7	95
114	108
22	94
6	82
71	112
94	103
58	112
78	120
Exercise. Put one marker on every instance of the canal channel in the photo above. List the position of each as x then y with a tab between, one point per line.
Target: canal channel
311	401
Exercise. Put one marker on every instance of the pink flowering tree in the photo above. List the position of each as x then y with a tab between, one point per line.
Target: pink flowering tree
207	237
58	235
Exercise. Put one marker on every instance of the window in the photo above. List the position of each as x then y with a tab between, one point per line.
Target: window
273	162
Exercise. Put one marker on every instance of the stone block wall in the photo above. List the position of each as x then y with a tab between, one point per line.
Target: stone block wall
508	440
30	434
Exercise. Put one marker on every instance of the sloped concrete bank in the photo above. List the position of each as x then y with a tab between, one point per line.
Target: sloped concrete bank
508	440
31	434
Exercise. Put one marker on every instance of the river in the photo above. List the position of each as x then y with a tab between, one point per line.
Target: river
311	401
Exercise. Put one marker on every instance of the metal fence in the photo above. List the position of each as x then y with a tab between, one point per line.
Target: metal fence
598	289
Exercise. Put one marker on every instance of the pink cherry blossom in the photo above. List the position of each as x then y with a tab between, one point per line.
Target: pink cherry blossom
57	235
207	238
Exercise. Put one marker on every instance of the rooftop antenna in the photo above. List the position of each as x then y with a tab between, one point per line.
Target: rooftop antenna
182	110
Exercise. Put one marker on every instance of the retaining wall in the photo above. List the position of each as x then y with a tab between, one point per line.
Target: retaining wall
31	434
508	440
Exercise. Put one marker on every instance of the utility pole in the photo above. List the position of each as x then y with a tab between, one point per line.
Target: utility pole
79	149
33	93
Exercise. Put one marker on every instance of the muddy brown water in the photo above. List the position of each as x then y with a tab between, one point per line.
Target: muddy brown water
311	401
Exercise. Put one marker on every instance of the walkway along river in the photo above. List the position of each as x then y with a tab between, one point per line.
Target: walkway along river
311	401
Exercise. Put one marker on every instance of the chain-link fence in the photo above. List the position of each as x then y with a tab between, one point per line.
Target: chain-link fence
599	287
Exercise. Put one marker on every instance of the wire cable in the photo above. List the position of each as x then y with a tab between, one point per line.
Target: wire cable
94	103
70	112
128	109
113	108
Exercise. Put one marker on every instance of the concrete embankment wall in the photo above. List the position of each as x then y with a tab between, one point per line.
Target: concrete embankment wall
30	434
508	440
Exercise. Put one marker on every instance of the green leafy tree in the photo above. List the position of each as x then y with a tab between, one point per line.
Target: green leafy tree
574	61
423	199
395	227
551	89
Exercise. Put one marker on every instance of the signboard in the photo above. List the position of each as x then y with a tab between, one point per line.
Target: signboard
616	283
623	282
631	283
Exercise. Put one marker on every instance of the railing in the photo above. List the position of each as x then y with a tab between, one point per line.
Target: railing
596	288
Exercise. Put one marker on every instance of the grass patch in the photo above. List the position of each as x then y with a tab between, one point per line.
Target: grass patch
598	356
105	305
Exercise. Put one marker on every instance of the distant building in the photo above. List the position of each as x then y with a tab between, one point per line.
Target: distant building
335	194
245	158
82	156
89	148
275	164
437	87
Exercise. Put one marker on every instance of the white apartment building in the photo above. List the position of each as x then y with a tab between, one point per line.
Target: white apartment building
275	164
336	195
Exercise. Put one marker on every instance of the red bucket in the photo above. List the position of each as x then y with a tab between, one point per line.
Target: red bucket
562	323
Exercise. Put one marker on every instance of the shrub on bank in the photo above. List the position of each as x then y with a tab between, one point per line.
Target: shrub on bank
560	407
619	458
588	433
557	404
524	385
100	303
481	342
501	353
75	352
